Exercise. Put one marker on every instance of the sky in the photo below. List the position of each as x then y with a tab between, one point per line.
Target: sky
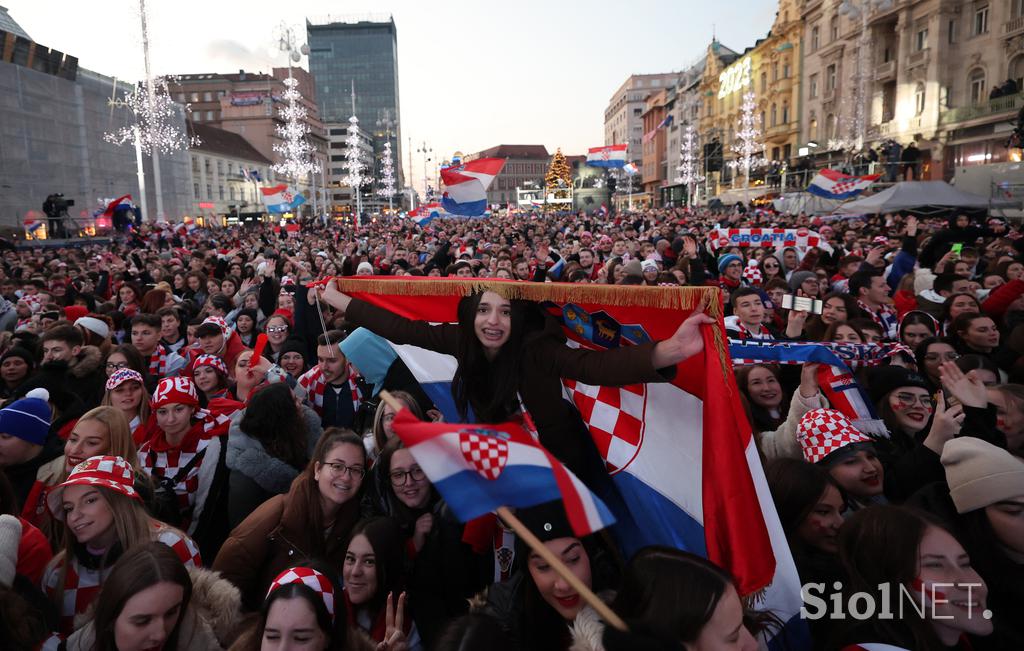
472	75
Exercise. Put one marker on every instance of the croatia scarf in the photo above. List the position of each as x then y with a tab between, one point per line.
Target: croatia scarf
681	454
835	375
158	361
313	383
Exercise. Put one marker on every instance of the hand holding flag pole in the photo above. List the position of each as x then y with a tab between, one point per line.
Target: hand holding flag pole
431	445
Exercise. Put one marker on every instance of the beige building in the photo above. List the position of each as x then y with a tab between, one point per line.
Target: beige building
223	164
525	167
623	117
929	67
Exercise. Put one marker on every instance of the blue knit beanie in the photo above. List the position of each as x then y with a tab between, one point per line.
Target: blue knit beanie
726	260
28	418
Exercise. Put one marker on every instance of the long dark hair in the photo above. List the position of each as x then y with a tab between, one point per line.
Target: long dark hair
760	418
796	487
489	388
277	424
141	567
306	493
405	516
385	538
670	594
881	546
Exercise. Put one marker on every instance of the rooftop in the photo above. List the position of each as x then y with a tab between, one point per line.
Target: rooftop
11	26
514	151
224	143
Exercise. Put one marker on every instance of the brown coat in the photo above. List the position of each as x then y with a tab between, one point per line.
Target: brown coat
545	361
274	537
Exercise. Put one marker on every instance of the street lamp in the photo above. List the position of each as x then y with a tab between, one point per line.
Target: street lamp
426	151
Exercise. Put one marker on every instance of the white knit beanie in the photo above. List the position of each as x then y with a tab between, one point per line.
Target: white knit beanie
10	539
980	474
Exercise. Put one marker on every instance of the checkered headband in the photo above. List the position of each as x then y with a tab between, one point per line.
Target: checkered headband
213	361
310	578
752	272
112	473
122	375
225	329
177	390
824	431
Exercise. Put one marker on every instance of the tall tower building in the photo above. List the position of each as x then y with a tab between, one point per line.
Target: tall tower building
362	51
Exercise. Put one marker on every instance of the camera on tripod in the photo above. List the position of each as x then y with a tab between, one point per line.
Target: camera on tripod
56	209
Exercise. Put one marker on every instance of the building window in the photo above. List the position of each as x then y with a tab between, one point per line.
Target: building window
209	193
775	115
195	164
1018	8
1017	70
813	86
195	190
775	71
637	112
787	152
762	124
830	78
195	97
231	192
775	153
921	39
198	116
815	38
812	130
951	34
785	112
231	169
981	20
220	192
220	168
209	116
833	29
976	82
206	165
207	96
919	99
830	127
785	70
764	82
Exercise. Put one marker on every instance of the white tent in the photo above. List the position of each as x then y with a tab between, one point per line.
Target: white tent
919	196
794	203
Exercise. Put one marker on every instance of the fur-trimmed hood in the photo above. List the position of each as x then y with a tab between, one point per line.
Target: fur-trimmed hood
587	631
86	362
247	456
211	622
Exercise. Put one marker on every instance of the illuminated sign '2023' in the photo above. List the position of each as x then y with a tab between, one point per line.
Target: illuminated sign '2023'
734	78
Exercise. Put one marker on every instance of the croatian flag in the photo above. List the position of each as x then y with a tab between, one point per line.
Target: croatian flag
478	468
281	198
425	213
32	225
121	203
610	156
683	465
630	168
466	186
831	184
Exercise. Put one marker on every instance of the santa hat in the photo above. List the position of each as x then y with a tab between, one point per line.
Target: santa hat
112	473
122	375
213	361
822	432
752	272
310	578
178	390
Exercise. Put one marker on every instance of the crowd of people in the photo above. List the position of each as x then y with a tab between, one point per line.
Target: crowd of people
168	481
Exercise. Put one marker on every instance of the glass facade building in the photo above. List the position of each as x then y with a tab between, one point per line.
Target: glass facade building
364	53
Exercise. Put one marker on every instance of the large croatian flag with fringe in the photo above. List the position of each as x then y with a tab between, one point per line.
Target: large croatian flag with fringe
681	455
466	186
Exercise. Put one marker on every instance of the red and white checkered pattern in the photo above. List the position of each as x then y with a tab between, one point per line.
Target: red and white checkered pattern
174	391
213	361
111	473
486	453
752	272
777	238
158	361
225	329
82	584
309	577
122	375
823	431
615	417
312	382
167	463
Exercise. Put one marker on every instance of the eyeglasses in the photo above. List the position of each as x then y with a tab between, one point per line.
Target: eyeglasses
909	399
401	477
276	329
734	264
338	469
949	357
115	366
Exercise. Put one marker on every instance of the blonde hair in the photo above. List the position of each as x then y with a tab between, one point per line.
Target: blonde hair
380	439
144	410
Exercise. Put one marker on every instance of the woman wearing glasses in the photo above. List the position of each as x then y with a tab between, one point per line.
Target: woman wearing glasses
930	354
445	573
278	329
313	520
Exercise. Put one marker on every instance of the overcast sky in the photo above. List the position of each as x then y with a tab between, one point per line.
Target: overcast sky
472	74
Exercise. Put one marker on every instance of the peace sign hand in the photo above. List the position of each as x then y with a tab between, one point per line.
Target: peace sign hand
394	626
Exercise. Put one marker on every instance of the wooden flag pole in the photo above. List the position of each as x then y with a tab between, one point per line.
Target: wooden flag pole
606	613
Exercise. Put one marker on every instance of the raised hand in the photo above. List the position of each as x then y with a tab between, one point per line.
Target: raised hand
394	626
967	388
686	342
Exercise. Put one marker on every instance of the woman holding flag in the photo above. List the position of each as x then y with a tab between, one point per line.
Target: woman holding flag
511	358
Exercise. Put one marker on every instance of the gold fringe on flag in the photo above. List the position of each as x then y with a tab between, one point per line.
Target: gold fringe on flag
664	297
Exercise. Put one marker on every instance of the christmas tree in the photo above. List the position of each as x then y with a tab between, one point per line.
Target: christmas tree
558	180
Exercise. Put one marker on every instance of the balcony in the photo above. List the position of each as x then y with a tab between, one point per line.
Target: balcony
778	133
999	105
1013	27
917	58
885	71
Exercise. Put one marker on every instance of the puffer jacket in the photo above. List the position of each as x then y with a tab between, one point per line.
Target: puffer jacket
256	475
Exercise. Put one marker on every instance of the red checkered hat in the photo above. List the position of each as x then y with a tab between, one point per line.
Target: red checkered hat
178	390
880	239
752	272
122	375
112	473
823	431
213	361
310	578
225	329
